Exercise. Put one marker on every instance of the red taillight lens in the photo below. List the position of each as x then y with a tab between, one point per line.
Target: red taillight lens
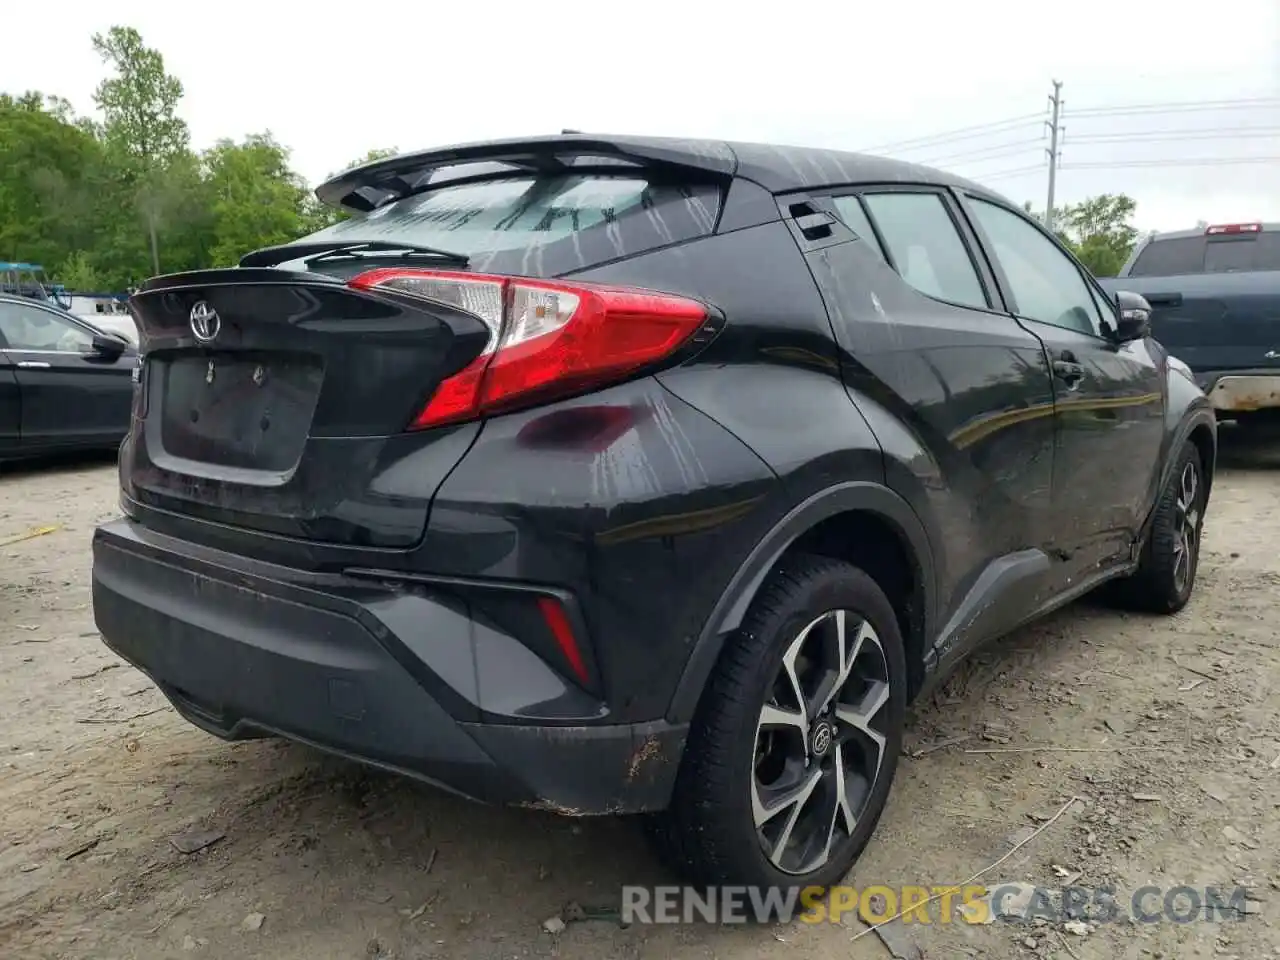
558	623
1228	228
547	339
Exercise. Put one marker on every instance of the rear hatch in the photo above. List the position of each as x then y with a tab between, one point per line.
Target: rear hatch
277	398
1215	295
274	400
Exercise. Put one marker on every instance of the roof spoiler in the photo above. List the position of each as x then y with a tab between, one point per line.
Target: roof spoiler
370	185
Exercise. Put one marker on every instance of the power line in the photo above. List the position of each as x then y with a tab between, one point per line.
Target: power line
1225	133
1004	149
1001	174
944	140
961	133
1009	124
1188	162
1185	106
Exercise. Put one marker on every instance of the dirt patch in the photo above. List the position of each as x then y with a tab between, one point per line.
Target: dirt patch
1166	729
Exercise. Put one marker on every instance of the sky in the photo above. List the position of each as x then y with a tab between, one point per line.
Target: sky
1148	87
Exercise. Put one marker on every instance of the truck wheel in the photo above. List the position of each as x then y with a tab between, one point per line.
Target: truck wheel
1166	571
796	739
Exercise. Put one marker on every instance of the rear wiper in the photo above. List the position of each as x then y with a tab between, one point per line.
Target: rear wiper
356	250
317	252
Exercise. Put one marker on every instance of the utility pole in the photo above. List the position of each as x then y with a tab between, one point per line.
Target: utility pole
1055	128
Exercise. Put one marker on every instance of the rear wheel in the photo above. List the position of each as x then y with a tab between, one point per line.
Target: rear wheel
1166	572
793	751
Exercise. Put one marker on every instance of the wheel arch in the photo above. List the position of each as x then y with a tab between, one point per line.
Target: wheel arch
848	521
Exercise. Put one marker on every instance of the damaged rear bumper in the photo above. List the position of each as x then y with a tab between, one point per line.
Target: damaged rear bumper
383	676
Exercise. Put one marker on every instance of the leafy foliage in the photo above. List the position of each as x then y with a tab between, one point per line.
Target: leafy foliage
255	200
48	170
1098	230
139	103
104	202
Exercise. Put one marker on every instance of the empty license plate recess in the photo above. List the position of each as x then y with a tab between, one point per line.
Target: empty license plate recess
244	410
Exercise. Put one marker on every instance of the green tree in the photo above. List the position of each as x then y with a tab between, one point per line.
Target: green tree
141	129
1098	230
47	171
78	273
1101	231
256	200
92	199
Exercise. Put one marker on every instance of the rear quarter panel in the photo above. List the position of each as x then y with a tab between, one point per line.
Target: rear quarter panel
631	499
650	527
773	377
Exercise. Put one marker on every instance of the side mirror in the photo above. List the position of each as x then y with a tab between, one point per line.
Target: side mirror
1133	316
108	347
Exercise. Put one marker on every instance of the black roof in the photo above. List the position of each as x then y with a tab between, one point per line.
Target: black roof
776	168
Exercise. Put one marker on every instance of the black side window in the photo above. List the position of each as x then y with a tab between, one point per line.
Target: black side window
926	247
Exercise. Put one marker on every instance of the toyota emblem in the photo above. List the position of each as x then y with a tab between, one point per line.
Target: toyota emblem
205	322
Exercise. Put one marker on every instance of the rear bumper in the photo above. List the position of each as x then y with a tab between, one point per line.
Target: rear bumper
1242	391
387	675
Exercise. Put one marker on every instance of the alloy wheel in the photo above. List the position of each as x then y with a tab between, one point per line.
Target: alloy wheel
820	741
1186	526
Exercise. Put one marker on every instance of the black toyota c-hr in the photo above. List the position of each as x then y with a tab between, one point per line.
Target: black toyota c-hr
620	475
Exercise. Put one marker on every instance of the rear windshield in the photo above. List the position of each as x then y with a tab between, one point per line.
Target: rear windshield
541	225
1179	256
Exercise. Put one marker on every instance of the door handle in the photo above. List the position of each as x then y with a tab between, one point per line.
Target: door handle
33	364
1068	371
1164	299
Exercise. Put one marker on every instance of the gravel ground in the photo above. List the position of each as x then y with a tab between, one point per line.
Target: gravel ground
1167	730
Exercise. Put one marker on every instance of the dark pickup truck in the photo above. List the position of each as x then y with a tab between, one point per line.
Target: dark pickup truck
1215	299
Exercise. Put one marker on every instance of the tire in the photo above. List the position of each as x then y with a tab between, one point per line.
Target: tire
1166	574
709	834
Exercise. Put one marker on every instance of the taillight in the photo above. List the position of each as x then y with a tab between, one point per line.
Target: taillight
547	339
1221	229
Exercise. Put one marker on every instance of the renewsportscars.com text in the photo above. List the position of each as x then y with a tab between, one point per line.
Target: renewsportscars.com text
973	904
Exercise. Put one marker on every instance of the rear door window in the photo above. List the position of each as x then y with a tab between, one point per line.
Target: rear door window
926	247
541	224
